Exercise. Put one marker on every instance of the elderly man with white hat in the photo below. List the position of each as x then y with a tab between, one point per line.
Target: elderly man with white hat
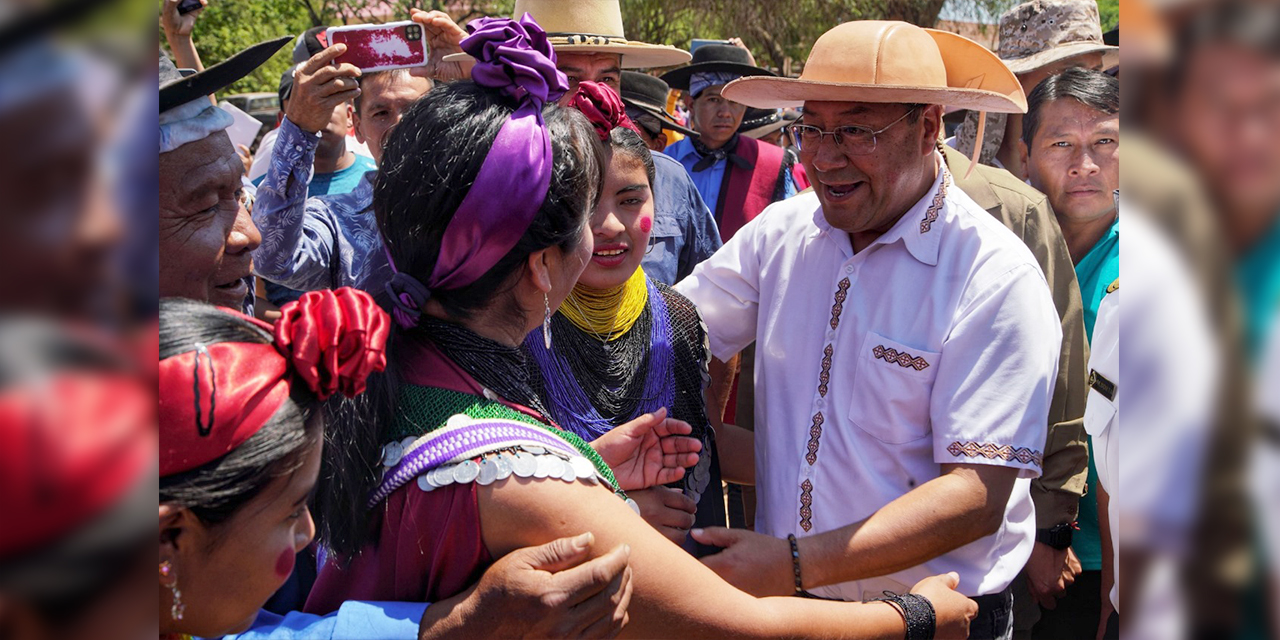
907	341
591	46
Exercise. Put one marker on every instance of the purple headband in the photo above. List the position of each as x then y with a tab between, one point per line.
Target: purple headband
515	57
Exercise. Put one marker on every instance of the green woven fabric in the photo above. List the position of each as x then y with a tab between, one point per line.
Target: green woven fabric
425	409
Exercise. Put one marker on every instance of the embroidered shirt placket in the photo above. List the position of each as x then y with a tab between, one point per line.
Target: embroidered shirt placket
815	427
824	376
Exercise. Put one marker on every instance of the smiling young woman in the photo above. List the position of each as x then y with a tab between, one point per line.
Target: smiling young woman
627	345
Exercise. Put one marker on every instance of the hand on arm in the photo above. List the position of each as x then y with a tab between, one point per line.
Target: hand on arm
516	513
547	591
650	450
667	510
964	504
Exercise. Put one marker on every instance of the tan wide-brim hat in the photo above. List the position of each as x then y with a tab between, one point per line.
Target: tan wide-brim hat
895	62
592	26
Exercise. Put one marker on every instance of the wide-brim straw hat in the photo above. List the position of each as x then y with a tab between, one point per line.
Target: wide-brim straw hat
891	62
1036	34
592	26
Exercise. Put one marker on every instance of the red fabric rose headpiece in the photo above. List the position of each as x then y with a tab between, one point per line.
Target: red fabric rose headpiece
214	398
602	107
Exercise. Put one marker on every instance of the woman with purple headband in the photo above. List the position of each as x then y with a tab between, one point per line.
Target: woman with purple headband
483	200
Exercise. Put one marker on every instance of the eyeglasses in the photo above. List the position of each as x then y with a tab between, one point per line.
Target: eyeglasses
852	139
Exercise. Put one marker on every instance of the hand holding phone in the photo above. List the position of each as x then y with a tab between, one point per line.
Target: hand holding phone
187	6
377	47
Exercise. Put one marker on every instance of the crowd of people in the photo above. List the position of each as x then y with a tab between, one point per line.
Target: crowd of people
834	355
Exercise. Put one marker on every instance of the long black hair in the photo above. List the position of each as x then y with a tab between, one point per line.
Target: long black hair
429	162
214	491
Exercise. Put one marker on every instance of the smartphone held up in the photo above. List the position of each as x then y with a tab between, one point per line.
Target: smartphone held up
377	47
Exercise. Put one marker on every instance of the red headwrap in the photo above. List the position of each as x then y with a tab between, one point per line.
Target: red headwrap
70	447
602	107
214	398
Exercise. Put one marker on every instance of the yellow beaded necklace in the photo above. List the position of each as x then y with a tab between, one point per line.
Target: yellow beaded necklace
608	313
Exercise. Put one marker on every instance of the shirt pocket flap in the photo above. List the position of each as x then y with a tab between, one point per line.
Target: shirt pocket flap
892	387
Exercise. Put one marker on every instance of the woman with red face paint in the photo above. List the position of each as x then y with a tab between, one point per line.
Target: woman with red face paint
240	450
628	345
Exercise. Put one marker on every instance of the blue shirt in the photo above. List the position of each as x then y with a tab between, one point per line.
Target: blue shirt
311	243
1258	275
352	621
709	180
1096	271
684	231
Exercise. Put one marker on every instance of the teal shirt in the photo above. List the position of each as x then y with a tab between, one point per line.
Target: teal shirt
1258	275
1096	271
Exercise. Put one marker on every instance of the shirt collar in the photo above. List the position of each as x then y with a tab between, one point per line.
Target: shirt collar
921	239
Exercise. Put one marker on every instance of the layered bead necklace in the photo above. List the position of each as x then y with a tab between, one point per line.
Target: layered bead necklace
567	363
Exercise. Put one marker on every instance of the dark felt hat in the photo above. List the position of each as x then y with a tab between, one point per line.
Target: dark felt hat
716	58
761	122
649	95
177	89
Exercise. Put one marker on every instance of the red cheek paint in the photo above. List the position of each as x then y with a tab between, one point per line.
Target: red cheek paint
646	224
284	564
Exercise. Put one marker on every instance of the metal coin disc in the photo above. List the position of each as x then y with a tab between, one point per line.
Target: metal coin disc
488	471
425	484
583	468
503	463
460	420
391	454
567	473
524	465
634	507
465	471
440	476
543	467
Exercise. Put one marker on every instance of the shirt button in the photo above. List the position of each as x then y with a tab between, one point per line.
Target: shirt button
806	470
848	269
821	403
297	147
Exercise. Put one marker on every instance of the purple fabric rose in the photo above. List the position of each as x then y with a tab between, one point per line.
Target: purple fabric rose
515	56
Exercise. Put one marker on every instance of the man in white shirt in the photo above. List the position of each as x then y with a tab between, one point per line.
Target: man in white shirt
907	341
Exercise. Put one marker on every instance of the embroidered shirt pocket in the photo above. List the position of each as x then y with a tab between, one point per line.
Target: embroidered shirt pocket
892	386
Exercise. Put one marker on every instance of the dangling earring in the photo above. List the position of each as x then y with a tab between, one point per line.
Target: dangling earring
167	574
546	323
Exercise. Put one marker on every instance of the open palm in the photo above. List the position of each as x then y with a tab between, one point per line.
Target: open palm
649	451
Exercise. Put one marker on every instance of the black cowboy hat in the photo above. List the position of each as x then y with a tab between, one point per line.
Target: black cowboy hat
761	122
725	58
177	89
649	95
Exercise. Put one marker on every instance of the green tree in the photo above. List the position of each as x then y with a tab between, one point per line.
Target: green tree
228	26
1109	12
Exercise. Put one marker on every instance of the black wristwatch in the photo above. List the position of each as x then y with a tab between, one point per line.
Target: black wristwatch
1058	537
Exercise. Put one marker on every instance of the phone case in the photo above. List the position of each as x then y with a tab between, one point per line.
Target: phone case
377	47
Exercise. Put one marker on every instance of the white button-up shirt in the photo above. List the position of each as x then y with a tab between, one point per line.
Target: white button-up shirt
937	344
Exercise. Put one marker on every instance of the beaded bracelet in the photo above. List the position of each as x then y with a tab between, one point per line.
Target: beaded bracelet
795	561
917	612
